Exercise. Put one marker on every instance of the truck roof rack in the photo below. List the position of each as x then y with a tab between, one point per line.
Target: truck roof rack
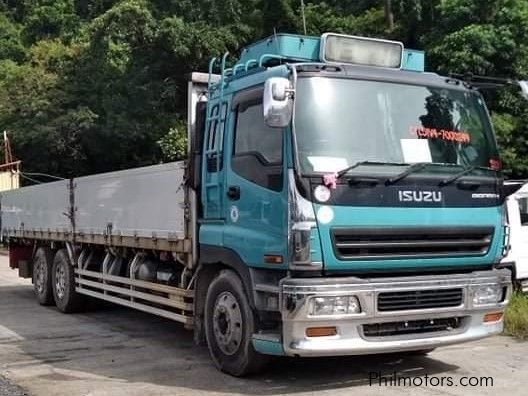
293	48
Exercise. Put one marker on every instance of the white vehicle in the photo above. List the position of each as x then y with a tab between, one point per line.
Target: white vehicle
517	209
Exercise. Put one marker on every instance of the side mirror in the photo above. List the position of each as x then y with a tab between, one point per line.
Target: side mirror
524	88
277	102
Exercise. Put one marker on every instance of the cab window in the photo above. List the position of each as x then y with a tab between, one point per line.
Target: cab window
523	208
257	148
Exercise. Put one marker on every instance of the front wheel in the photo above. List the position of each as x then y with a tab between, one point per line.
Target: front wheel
229	326
63	280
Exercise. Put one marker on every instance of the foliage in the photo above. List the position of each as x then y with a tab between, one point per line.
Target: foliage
95	85
11	46
174	144
516	316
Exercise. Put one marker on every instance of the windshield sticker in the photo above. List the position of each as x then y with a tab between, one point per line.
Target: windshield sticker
443	134
415	150
327	164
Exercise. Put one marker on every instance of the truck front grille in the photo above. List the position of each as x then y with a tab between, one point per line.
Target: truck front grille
411	327
394	243
419	299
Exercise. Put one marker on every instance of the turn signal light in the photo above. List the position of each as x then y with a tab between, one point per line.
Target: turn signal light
492	317
273	259
321	331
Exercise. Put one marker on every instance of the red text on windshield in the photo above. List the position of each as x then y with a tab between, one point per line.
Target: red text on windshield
443	134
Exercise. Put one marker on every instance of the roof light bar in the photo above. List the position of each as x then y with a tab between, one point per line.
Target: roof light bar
340	48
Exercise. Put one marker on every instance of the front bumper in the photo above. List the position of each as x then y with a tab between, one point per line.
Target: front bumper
351	337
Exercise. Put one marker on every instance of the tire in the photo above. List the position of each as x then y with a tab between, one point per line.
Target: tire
63	283
229	326
42	267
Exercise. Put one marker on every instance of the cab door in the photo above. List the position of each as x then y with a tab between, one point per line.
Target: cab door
255	190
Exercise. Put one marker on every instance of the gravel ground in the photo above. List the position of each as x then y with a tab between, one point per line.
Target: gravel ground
8	389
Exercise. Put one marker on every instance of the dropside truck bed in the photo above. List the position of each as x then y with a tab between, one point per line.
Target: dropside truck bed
136	210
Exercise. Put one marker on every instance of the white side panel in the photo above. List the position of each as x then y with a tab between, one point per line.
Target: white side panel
141	202
43	207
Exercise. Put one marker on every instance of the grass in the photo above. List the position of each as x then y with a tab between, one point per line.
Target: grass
516	317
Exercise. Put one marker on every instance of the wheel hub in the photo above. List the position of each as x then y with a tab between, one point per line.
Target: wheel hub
39	277
227	323
60	281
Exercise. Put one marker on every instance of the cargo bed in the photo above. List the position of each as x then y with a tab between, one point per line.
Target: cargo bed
139	208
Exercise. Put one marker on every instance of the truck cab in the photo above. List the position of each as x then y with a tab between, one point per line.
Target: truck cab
357	199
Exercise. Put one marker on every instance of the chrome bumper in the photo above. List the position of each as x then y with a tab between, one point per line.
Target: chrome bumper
351	339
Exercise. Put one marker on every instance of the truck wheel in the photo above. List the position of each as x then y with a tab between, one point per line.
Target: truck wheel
42	264
63	281
229	325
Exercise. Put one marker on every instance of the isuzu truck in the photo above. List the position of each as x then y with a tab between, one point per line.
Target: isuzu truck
336	200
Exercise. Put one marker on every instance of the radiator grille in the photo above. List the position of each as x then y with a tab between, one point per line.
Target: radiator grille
387	243
419	299
411	327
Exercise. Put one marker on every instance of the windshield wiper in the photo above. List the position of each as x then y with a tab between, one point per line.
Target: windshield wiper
344	171
330	180
464	172
411	169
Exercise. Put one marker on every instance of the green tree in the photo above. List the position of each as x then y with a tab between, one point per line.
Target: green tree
47	19
11	46
95	85
174	144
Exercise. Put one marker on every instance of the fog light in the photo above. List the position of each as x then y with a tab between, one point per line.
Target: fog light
334	305
489	294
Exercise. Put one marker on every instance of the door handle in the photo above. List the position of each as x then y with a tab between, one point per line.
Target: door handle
233	193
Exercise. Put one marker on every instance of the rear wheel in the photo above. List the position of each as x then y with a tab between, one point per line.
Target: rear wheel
42	267
63	281
229	326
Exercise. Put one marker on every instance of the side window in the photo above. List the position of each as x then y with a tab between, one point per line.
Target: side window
523	208
215	137
257	149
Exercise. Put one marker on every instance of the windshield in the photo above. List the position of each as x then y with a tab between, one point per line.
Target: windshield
340	122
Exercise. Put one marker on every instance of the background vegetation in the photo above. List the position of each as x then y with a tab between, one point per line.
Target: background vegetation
516	316
96	85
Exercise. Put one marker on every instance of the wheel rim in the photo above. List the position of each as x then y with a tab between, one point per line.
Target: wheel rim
39	277
60	281
227	323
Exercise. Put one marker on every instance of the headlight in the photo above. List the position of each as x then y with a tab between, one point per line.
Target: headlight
489	294
334	305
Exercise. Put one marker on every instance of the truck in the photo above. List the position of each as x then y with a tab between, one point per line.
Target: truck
336	200
517	211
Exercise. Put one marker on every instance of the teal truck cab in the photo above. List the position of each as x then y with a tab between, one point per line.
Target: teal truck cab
358	198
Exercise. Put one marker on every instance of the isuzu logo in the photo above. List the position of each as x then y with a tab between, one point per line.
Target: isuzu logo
420	196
